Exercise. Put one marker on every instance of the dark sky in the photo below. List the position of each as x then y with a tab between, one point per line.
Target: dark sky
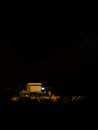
72	64
58	48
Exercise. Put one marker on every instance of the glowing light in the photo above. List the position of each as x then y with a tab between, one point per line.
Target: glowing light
43	88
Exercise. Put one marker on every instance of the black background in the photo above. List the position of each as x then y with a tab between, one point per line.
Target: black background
58	48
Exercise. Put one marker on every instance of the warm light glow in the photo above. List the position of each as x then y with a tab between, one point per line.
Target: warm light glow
34	84
35	88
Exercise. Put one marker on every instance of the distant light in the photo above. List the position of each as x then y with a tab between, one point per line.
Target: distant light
43	88
27	95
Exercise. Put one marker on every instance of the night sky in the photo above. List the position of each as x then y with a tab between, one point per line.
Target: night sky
63	66
58	50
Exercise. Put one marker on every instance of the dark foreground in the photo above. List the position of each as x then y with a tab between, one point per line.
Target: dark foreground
47	114
35	107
